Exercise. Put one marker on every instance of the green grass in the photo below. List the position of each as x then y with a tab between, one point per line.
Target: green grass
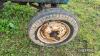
14	19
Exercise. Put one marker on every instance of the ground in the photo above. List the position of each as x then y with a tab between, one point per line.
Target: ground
14	19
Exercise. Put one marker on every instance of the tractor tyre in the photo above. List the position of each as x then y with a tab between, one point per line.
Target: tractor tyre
53	27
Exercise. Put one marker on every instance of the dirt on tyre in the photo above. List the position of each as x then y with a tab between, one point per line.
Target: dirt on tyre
53	27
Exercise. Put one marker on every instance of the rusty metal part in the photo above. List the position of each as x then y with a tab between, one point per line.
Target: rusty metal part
53	32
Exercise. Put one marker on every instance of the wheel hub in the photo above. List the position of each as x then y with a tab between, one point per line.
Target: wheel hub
53	32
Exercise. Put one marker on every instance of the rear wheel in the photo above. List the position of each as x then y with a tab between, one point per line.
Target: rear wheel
53	27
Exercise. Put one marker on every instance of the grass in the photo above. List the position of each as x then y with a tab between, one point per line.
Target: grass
14	20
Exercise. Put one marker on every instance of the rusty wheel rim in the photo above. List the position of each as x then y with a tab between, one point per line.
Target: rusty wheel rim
53	31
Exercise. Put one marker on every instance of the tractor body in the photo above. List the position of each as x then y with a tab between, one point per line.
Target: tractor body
41	1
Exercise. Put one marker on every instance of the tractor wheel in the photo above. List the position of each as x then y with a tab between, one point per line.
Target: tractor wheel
53	27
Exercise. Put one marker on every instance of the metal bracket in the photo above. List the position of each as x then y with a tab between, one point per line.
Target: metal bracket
41	6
